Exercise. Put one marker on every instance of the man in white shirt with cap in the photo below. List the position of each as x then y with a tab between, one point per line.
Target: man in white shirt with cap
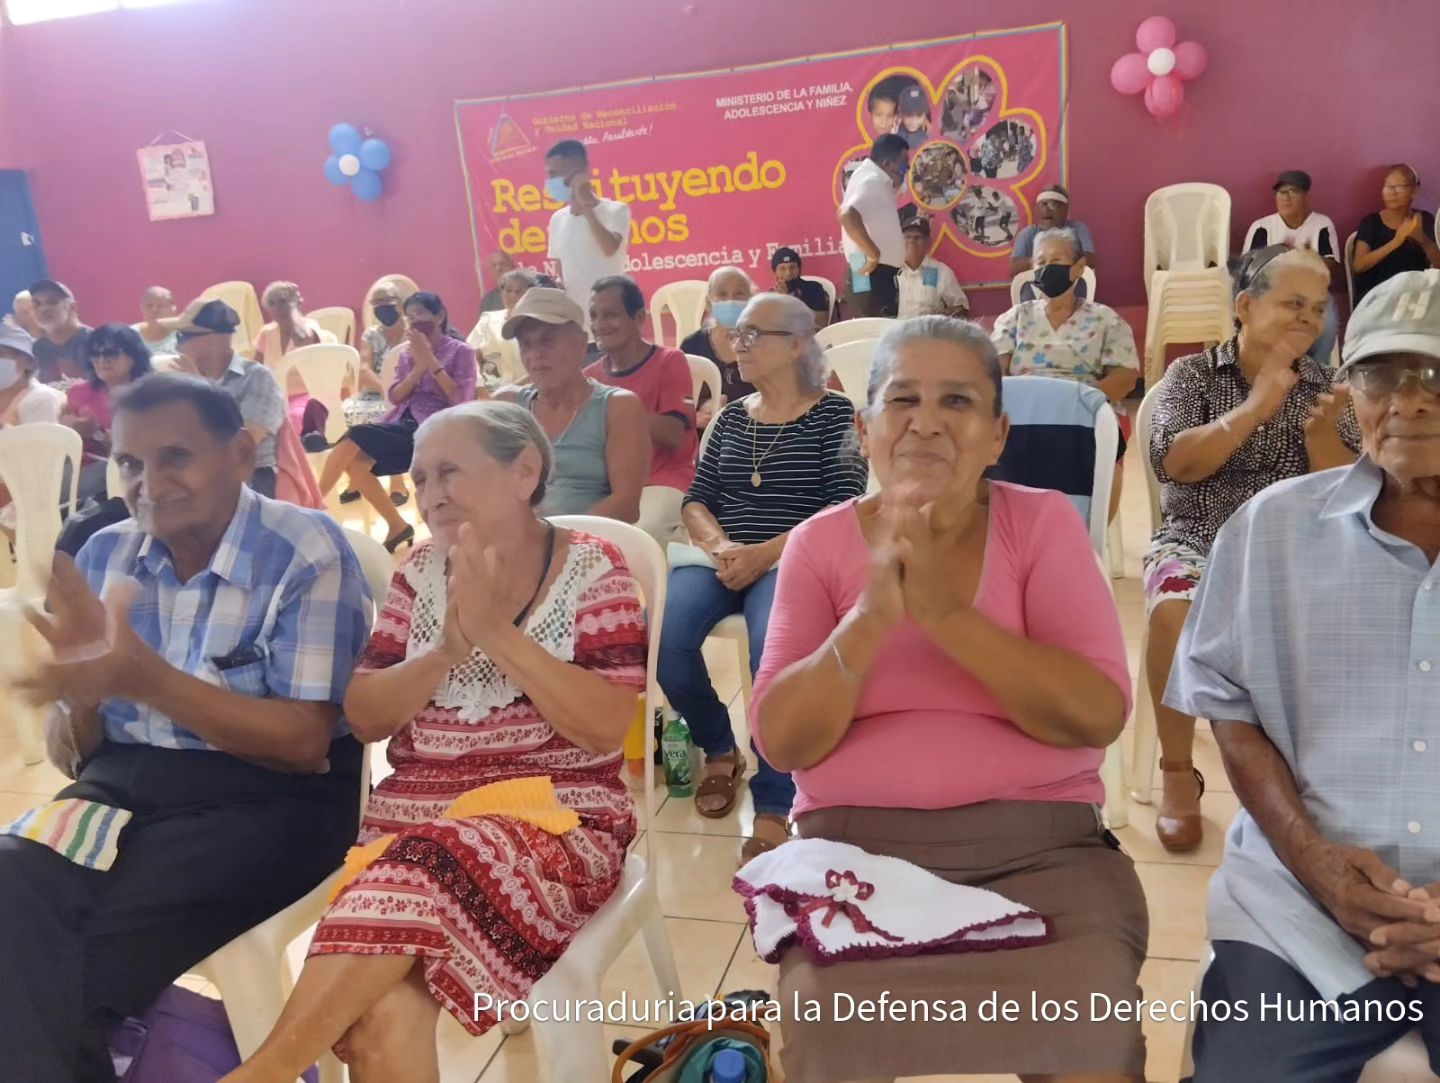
873	245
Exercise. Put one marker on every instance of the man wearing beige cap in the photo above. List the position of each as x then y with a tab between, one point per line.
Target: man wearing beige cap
60	351
600	434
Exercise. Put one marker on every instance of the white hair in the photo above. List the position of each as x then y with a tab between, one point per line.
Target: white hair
797	318
961	333
1059	233
720	272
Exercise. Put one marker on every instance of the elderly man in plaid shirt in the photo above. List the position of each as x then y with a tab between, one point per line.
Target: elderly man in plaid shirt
1313	646
201	654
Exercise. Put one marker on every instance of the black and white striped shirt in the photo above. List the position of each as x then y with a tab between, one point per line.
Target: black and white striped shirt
805	466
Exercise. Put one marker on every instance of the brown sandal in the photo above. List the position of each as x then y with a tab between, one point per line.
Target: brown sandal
1184	832
755	845
726	786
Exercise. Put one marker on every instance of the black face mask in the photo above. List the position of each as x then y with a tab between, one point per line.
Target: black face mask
387	314
1053	279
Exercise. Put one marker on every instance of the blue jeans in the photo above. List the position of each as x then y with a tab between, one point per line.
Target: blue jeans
695	603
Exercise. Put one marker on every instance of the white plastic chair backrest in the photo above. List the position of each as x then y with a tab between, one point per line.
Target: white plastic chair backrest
830	292
404	285
646	561
377	564
1025	277
511	370
705	373
685	301
1349	272
388	364
33	458
240	296
1142	437
324	369
1187	227
850	361
338	320
837	334
1046	401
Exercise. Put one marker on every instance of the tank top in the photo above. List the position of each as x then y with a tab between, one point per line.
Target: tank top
579	479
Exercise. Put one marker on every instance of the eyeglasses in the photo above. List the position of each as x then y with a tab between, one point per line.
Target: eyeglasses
106	353
1288	192
747	338
1381	378
1396	189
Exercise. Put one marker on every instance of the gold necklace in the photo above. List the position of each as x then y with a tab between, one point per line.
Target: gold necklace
755	478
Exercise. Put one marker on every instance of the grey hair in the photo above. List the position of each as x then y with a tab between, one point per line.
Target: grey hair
720	272
503	430
517	276
960	333
1297	258
797	318
1059	233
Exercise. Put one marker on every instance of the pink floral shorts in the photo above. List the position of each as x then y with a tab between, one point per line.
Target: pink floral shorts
1172	573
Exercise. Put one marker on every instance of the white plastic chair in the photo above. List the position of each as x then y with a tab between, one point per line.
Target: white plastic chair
850	361
865	327
704	373
1025	277
577	1050
338	320
1187	228
1349	269
830	293
685	300
1404	1062
1145	739
1186	306
325	369
240	296
253	972
33	460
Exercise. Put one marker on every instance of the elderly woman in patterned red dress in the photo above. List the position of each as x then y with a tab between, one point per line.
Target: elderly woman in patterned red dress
507	649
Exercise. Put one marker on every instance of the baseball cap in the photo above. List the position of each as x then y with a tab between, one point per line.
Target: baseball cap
545	305
784	255
1401	315
913	101
49	285
1055	193
207	318
16	338
918	224
1295	178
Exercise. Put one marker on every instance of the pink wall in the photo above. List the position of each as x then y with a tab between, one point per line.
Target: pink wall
1313	84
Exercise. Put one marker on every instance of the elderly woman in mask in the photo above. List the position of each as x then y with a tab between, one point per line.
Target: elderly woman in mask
1069	337
730	290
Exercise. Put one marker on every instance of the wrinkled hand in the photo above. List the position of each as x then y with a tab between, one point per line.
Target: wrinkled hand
422	351
473	588
738	566
454	648
1323	424
96	653
1276	378
1362	893
1405	949
883	600
1409	228
925	538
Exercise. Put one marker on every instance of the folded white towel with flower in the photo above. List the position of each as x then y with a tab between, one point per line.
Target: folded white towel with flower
841	903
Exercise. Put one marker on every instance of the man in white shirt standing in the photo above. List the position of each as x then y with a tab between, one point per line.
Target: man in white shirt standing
1295	225
927	286
873	245
588	237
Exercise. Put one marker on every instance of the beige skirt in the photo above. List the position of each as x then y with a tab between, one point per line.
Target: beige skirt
1035	1010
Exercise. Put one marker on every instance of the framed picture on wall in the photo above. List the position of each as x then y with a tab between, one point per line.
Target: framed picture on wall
177	180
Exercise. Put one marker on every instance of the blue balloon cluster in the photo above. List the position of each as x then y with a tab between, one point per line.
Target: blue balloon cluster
356	161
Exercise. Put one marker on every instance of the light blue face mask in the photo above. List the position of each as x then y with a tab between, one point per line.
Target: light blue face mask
558	189
727	313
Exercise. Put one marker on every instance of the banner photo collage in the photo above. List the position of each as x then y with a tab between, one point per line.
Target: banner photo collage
721	168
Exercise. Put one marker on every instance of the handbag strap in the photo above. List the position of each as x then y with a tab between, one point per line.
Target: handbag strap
685	1035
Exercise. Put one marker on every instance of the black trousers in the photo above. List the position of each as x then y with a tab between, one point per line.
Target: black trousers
883	297
216	846
1289	1044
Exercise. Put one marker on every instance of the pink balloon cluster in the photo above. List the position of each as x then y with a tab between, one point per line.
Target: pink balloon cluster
1160	68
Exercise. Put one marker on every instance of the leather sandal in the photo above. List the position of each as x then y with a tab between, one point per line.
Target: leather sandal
755	845
1180	832
726	786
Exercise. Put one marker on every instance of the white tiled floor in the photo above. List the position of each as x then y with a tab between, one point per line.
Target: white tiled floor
698	857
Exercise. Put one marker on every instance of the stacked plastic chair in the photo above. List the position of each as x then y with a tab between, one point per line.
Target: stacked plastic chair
1187	243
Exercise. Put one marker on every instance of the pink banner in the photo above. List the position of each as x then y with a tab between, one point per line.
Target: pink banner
724	167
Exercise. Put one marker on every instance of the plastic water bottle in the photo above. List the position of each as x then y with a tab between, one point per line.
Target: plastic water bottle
675	749
728	1067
